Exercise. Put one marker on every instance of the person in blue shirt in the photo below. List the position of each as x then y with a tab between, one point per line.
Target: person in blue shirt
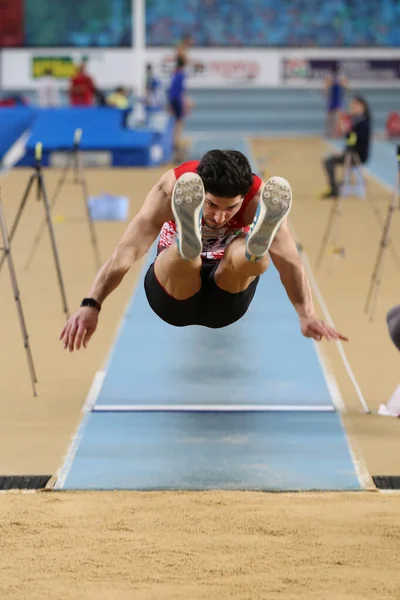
154	91
176	103
335	88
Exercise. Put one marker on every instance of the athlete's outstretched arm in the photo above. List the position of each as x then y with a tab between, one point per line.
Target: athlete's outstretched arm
136	241
284	255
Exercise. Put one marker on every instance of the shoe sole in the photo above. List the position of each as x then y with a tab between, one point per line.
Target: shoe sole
275	204
187	203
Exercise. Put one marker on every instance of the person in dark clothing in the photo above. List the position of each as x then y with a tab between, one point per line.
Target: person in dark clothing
358	141
393	323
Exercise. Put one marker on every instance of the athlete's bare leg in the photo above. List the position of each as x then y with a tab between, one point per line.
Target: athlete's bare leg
235	272
179	277
178	268
247	256
178	150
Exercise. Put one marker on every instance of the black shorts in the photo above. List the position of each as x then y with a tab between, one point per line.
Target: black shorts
177	108
210	307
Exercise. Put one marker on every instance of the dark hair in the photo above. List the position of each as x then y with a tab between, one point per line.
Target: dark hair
225	173
180	62
365	105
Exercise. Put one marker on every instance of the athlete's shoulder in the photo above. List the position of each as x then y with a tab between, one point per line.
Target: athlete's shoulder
255	186
187	167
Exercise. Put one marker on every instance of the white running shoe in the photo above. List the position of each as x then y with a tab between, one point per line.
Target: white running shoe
275	204
187	206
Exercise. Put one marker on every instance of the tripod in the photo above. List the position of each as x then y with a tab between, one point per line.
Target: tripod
41	194
334	214
8	256
74	162
376	278
352	160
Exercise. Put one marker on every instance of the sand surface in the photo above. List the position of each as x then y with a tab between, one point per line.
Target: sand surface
113	545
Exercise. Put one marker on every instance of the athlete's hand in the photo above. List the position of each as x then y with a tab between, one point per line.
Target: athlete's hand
312	327
79	328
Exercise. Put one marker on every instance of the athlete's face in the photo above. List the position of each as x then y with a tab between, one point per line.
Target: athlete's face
218	211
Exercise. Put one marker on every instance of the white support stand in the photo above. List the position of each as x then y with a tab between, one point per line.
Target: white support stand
392	408
139	46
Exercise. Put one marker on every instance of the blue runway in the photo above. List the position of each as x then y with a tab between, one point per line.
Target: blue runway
247	407
274	451
246	363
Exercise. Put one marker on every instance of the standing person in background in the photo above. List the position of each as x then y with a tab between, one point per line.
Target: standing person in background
176	102
82	89
183	47
182	51
335	87
48	95
360	134
154	91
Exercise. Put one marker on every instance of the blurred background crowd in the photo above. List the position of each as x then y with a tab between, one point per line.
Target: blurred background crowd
257	23
268	23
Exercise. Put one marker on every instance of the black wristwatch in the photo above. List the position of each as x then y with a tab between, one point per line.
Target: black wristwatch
92	303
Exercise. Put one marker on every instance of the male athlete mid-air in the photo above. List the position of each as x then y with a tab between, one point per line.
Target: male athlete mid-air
219	225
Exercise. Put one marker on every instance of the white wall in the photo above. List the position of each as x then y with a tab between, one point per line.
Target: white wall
220	67
108	67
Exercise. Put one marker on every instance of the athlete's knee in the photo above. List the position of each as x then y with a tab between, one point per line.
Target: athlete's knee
248	268
393	322
170	258
260	265
236	256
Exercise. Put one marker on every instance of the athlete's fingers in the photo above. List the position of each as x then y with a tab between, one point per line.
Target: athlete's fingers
72	335
319	331
80	336
66	335
89	333
64	329
327	332
342	337
335	335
